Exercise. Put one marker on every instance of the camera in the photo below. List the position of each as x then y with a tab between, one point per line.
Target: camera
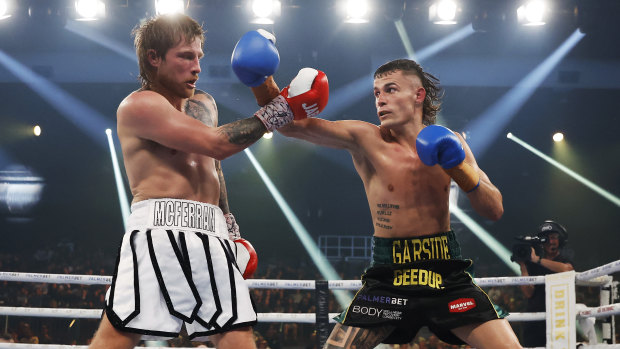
522	251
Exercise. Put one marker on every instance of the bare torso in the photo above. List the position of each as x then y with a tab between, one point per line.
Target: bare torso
157	171
406	197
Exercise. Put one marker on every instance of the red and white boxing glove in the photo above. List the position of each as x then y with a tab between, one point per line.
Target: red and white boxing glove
306	96
246	257
308	93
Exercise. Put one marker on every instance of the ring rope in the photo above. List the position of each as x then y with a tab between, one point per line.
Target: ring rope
602	311
592	279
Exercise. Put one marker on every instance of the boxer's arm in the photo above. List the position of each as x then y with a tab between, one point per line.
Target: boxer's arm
266	91
486	199
342	134
223	203
149	115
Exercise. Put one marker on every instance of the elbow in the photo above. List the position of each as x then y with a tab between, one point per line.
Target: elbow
221	153
496	213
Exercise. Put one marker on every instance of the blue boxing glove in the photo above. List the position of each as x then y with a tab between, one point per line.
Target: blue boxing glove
438	145
255	57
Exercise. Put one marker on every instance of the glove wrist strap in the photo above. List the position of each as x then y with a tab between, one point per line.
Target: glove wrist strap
275	114
232	226
465	176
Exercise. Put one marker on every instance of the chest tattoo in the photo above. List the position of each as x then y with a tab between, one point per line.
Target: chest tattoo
200	112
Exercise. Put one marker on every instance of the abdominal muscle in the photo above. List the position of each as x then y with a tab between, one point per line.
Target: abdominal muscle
159	172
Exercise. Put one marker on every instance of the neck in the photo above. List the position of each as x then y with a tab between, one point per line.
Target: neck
407	133
176	101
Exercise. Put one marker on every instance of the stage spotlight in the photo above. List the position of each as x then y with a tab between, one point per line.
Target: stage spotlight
36	130
169	6
558	137
443	12
89	10
265	11
5	9
356	11
20	191
532	13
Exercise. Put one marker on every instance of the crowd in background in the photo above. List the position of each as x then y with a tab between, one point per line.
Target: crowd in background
67	258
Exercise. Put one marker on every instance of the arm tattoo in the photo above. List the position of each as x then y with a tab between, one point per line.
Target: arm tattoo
383	212
243	132
356	338
223	192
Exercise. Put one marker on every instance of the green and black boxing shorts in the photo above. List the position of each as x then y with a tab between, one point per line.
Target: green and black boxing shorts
416	282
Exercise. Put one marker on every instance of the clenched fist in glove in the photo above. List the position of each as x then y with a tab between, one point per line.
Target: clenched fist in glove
245	255
439	145
306	96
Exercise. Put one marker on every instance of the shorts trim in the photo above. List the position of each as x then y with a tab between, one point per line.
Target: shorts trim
136	285
220	330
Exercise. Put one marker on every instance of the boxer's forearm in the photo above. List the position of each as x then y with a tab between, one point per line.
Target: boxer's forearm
265	92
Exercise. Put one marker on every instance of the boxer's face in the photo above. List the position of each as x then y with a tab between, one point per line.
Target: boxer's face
398	97
178	71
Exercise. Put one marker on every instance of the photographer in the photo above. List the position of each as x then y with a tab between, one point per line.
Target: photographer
547	258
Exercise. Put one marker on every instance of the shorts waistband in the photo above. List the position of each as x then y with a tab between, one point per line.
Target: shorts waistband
407	250
178	214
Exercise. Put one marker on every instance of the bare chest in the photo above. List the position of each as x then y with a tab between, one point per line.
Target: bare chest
399	174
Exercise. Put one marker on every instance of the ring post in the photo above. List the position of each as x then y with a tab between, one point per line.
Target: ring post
322	311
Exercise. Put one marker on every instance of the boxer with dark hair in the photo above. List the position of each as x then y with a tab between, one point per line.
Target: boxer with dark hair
417	276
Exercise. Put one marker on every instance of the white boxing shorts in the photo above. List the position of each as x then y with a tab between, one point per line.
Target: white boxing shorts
176	265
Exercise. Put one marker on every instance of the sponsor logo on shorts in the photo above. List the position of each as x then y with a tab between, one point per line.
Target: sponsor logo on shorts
184	214
461	305
379	313
417	277
383	299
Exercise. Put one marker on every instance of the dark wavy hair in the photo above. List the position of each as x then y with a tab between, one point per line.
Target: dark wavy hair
161	33
434	93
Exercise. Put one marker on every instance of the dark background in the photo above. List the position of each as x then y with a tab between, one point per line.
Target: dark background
580	97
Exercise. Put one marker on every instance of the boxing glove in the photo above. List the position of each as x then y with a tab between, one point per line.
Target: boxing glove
255	57
246	257
306	96
308	93
438	145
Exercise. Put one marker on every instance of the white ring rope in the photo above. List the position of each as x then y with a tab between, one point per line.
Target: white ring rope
587	278
309	318
602	311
